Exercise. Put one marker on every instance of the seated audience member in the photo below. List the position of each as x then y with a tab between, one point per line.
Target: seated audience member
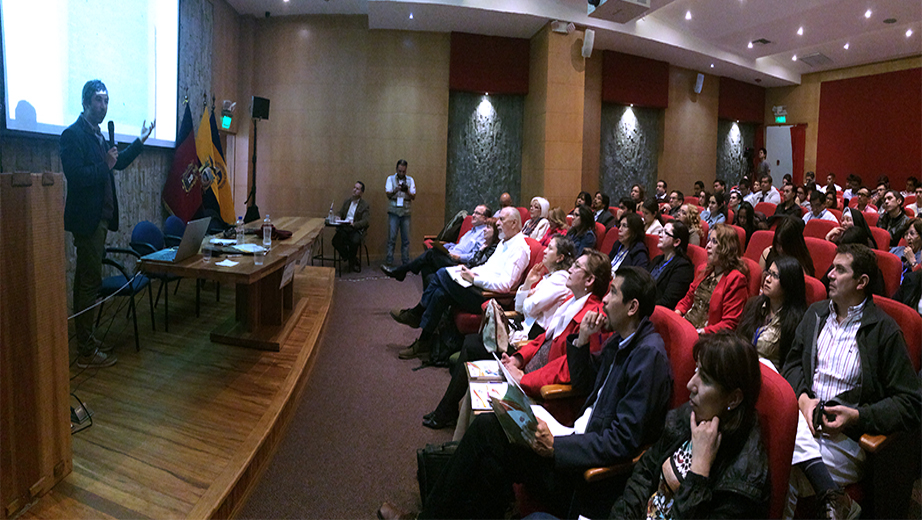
831	184
545	286
600	204
625	205
734	201
537	225
661	194
750	191
672	270
652	221
789	241
877	198
720	186
818	208
716	212
688	215
349	236
676	200
432	259
832	201
638	194
698	187
540	306
912	184
767	192
630	249
857	235
911	253
788	206
745	218
629	384
894	219
802	199
864	198
490	238
501	273
715	300
582	230
505	201
557	225
851	356
583	199
769	319
851	217
916	206
787	180
810	181
710	461
910	291
853	184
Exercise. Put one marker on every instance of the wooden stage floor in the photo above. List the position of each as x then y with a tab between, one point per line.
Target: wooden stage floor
184	428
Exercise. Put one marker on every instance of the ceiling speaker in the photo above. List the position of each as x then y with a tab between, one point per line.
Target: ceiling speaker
699	84
588	42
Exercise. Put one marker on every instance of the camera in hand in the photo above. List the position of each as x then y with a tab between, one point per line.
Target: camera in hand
820	411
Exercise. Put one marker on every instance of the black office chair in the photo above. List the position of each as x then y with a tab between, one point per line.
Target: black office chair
146	238
116	285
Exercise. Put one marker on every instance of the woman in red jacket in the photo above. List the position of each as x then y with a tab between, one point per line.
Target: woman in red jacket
715	299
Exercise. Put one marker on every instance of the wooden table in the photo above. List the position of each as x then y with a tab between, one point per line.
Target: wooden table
264	306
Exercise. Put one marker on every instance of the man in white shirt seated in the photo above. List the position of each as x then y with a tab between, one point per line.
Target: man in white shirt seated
501	273
818	208
433	259
831	183
349	235
810	181
916	206
768	192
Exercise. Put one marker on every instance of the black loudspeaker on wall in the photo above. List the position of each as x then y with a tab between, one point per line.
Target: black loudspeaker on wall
260	108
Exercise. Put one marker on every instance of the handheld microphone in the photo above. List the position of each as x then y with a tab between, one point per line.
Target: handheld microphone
111	134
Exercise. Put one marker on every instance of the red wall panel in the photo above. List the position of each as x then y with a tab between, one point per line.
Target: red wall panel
493	64
628	79
871	126
740	101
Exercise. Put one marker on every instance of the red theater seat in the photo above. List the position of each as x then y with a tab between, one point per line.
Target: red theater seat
822	253
819	228
757	243
816	291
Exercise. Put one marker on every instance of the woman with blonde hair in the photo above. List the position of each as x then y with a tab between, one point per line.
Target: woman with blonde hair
536	226
689	216
557	225
715	300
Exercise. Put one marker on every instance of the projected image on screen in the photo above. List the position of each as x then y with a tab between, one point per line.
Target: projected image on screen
52	47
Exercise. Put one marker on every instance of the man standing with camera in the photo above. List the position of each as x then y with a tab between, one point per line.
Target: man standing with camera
401	190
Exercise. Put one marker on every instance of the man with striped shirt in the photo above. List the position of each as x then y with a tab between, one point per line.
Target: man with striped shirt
841	348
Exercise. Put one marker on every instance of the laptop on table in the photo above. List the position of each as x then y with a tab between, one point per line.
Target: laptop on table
188	246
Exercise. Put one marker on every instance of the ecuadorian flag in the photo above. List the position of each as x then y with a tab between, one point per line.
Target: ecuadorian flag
213	172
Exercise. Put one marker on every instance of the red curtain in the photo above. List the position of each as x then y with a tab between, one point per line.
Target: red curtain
798	149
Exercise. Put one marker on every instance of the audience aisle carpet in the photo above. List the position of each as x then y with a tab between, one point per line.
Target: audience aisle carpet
352	443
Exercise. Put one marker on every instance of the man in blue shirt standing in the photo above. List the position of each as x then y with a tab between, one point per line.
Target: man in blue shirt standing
432	260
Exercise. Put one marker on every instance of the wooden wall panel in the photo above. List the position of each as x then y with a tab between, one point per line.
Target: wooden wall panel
690	133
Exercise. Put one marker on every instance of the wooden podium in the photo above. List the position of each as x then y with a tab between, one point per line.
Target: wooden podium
34	377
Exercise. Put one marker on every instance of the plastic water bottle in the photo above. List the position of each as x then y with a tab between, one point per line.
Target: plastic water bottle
240	239
267	232
330	216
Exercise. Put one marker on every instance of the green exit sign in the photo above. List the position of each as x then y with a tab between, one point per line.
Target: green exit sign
781	119
226	122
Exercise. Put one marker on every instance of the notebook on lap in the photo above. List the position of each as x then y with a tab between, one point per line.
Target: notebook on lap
188	246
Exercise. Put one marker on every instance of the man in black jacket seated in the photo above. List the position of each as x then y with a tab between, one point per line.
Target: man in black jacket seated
631	387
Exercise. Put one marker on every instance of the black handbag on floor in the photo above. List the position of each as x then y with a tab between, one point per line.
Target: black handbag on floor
430	462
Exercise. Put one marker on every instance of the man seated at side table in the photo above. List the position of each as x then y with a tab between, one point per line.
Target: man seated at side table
433	259
631	386
348	237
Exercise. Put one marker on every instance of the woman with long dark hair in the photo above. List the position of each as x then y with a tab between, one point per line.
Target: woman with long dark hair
672	270
710	446
715	300
770	319
746	218
581	230
652	220
716	211
789	241
583	199
630	248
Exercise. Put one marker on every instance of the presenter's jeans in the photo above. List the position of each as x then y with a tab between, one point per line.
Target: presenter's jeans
395	223
87	279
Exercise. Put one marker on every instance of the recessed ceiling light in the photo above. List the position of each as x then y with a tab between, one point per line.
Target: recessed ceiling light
411	16
794	58
800	31
908	33
845	46
867	14
688	15
750	45
712	65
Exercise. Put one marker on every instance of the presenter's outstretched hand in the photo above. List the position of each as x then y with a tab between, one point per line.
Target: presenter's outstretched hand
146	130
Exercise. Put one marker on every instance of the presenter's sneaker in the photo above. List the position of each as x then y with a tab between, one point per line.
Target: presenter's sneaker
93	343
838	506
389	511
407	317
397	273
419	348
96	360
